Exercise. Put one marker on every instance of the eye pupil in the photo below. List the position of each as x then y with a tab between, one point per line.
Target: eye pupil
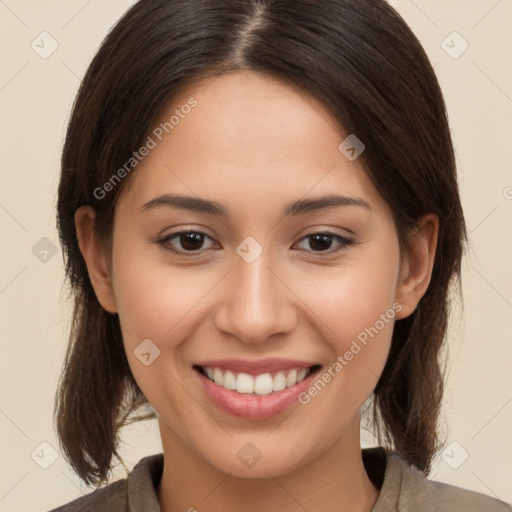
191	241
321	241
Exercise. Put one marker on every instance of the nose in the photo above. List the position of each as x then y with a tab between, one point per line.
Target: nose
257	303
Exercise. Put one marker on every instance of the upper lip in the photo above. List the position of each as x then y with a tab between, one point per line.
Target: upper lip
256	367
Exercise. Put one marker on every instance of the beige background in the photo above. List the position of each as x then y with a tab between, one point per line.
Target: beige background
36	95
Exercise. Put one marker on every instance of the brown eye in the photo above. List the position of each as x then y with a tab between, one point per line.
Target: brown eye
190	243
187	241
322	241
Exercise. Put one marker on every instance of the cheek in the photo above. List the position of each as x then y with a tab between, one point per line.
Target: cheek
156	302
154	297
356	310
351	296
161	301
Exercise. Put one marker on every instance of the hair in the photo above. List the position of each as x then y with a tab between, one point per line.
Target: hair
359	59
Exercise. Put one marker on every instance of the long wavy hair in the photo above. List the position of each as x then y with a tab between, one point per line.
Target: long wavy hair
361	60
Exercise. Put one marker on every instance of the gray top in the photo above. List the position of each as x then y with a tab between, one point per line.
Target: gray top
402	489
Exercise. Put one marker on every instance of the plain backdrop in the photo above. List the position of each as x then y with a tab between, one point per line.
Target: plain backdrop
36	95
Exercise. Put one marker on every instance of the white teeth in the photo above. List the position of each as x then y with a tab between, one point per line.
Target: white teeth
244	383
279	382
262	384
229	380
291	378
217	376
302	374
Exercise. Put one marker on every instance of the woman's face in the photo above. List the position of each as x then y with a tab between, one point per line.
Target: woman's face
253	282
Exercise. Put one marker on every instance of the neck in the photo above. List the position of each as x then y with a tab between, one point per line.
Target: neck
336	481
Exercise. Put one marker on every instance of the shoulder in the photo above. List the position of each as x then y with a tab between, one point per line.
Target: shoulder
112	497
417	493
135	492
453	498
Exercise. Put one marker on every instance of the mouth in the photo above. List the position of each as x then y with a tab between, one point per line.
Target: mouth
254	383
253	395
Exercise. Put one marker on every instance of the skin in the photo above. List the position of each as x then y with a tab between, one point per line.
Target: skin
254	144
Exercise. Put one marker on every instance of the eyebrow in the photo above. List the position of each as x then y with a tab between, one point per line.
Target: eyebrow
294	208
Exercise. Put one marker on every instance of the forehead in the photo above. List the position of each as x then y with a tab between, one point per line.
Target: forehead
247	132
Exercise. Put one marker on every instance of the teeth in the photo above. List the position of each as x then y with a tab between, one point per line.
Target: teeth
291	378
263	384
244	383
302	374
279	382
217	376
229	380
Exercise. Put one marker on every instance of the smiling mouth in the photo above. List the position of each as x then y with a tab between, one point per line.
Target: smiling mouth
260	384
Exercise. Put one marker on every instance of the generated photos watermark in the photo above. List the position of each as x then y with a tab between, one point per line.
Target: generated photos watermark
343	360
151	142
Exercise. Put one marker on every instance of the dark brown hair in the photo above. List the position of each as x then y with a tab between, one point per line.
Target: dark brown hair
360	59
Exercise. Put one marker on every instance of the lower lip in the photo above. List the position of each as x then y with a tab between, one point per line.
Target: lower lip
253	407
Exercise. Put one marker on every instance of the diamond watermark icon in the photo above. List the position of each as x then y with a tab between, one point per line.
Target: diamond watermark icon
249	250
454	45
351	147
44	250
44	455
146	352
44	45
249	455
454	455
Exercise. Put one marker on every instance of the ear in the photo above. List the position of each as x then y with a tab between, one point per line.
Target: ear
95	257
417	265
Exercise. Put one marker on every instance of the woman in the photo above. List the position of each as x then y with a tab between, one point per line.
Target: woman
260	212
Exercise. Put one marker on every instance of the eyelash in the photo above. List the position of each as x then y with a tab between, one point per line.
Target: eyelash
165	242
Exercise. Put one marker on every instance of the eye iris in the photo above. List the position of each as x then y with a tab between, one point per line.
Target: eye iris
191	241
320	242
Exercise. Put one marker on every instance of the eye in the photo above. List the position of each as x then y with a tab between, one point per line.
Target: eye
191	242
321	241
